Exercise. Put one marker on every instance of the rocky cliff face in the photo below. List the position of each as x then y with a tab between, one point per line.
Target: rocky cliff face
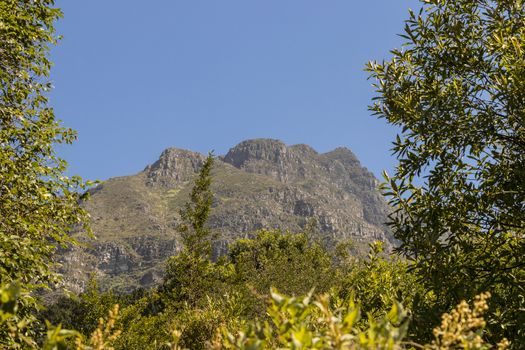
175	166
258	184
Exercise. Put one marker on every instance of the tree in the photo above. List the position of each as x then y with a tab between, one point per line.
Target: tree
38	204
379	281
287	261
196	236
457	90
191	274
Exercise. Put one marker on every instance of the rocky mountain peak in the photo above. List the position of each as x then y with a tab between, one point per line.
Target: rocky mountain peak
173	167
259	183
256	150
303	150
262	156
294	163
344	155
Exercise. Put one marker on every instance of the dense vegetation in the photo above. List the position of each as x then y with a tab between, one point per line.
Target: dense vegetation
456	89
38	204
224	303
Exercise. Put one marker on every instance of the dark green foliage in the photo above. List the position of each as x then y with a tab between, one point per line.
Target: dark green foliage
146	321
286	261
82	312
190	278
191	275
457	90
235	290
196	236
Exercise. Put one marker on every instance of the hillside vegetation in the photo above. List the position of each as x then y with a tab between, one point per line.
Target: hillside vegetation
258	184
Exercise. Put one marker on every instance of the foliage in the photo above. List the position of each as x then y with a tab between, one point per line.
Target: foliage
150	321
102	337
196	327
15	325
300	323
105	335
56	338
325	322
380	280
196	236
146	321
463	327
82	312
38	204
271	258
457	90
287	261
191	274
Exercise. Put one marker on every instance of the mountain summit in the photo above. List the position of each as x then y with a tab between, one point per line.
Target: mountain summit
258	184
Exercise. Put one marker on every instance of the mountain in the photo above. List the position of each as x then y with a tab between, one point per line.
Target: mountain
259	183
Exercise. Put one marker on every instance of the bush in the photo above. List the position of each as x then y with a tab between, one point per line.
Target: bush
323	323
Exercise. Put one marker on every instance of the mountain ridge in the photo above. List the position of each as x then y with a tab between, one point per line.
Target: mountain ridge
259	183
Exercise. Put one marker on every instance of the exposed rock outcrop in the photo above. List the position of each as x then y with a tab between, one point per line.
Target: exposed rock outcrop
258	184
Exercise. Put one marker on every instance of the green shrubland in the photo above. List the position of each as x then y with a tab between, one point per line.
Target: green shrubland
338	301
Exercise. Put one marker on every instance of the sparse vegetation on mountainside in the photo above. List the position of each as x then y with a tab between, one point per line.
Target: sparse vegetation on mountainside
259	184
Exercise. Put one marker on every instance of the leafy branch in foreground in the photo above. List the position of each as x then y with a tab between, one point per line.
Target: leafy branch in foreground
457	91
38	204
463	327
304	323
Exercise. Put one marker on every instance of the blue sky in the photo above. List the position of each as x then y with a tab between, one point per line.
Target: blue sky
135	77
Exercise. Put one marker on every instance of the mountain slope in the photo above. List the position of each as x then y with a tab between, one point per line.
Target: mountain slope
258	184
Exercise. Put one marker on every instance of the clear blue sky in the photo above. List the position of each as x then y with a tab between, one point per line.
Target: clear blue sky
135	77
